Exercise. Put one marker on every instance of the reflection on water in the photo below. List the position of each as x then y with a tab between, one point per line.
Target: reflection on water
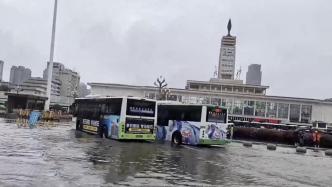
62	157
146	162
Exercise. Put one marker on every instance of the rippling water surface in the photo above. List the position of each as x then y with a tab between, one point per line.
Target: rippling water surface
62	157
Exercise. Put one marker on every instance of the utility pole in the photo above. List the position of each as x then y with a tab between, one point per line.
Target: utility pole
50	63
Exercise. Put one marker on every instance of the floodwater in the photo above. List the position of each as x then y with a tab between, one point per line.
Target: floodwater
62	157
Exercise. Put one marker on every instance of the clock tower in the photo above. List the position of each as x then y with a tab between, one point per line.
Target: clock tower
227	55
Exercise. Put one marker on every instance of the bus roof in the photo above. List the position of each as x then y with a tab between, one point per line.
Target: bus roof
106	97
169	102
176	103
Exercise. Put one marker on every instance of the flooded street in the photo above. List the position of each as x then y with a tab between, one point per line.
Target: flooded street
62	157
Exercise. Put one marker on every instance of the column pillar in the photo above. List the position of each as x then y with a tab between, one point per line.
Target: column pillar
265	109
289	112
300	113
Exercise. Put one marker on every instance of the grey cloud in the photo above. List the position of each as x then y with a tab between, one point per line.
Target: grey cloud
135	41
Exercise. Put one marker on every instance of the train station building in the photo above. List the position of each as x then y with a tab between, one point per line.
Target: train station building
244	102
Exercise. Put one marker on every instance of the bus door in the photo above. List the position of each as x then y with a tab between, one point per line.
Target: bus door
111	112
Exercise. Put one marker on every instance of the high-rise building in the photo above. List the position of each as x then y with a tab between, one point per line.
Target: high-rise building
1	69
69	79
227	55
57	69
38	85
254	74
18	75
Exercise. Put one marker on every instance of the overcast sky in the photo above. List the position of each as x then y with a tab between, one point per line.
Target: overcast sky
133	42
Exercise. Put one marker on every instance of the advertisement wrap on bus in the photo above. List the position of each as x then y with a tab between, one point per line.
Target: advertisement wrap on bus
90	126
216	126
112	124
185	124
194	133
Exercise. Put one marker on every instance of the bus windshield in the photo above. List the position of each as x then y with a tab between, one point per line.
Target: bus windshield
88	108
216	114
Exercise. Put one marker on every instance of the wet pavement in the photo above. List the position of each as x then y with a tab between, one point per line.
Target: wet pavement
62	157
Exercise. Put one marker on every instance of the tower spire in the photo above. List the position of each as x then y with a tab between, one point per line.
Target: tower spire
229	27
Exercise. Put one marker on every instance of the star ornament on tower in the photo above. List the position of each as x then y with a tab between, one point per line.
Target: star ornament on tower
229	27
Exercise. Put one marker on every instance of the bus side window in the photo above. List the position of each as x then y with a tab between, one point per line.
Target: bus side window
96	111
163	116
76	109
182	118
193	113
103	108
187	113
114	107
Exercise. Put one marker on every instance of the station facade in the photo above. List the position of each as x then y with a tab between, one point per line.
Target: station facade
244	102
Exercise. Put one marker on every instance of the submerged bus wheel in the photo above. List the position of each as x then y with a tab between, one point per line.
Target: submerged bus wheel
328	152
301	150
271	147
177	138
78	125
106	131
247	144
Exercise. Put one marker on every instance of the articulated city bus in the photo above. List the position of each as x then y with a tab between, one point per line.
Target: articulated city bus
127	118
192	124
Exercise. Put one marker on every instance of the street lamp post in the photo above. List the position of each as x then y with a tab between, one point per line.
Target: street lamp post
50	63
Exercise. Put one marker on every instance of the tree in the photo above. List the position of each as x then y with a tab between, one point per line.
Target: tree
57	107
83	90
75	95
162	88
4	88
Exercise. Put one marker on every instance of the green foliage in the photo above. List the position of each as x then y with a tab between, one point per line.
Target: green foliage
57	107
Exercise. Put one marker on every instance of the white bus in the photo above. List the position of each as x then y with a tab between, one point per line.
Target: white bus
192	124
128	118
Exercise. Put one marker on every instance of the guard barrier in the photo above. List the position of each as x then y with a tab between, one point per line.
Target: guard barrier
28	118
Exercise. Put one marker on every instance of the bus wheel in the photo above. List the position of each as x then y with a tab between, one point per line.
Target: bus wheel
101	131
78	125
106	132
177	138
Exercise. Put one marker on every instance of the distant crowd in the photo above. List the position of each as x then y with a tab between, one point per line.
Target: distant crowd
315	138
